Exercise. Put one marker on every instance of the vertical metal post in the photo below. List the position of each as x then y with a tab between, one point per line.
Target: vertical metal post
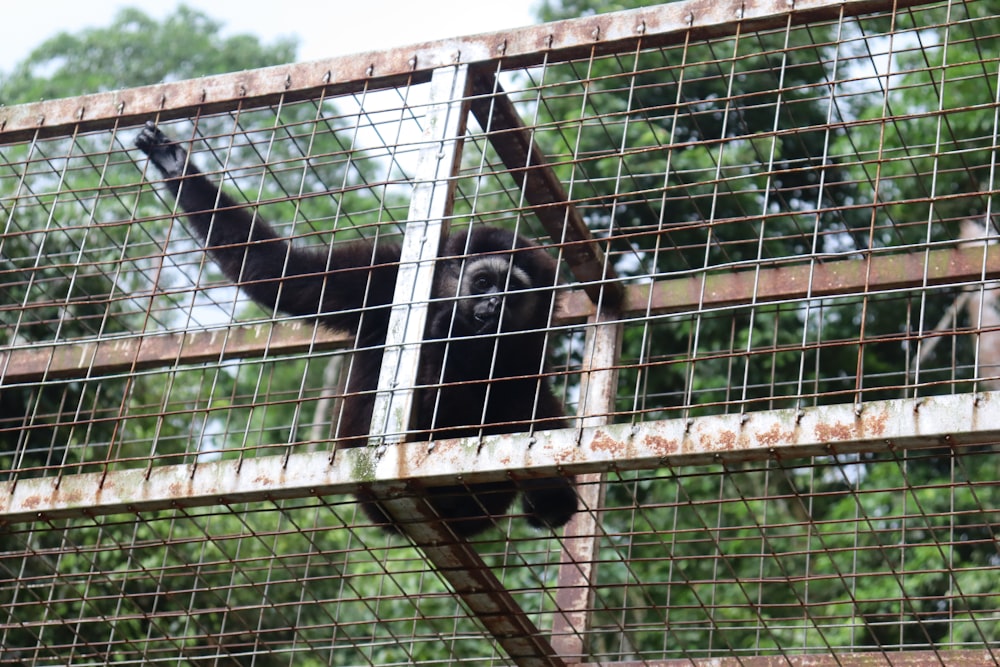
578	567
455	560
431	204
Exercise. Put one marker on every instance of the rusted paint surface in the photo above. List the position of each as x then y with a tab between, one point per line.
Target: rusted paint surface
578	561
960	420
607	33
936	658
808	279
473	581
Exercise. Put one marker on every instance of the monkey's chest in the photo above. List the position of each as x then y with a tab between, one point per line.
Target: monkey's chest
470	407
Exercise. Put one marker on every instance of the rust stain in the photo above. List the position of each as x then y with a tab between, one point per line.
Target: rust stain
441	454
774	436
73	497
728	440
602	442
663	446
834	432
31	502
875	425
564	456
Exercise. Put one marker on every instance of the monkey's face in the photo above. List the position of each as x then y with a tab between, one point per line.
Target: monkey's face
495	296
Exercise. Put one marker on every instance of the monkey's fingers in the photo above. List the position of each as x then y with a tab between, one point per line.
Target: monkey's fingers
167	156
150	138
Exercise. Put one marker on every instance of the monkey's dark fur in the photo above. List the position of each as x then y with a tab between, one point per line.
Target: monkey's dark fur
471	381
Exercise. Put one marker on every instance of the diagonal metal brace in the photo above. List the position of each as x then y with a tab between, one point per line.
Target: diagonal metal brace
516	147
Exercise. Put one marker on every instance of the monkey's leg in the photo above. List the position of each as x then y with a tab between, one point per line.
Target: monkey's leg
548	502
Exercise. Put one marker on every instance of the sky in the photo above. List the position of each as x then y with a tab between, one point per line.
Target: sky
323	29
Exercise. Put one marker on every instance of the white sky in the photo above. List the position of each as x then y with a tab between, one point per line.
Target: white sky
323	28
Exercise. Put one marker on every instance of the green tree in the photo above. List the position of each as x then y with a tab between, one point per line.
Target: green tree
63	276
45	229
704	182
136	50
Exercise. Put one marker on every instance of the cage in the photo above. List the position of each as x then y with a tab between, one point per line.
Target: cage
776	337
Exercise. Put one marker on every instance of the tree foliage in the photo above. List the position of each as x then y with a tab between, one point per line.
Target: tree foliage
737	536
136	50
743	190
90	210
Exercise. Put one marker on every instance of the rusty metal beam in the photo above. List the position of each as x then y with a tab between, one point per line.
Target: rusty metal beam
470	579
930	658
543	190
661	25
139	352
954	421
724	288
576	586
808	278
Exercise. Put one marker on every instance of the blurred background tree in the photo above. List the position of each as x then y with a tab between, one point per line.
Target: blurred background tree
75	423
765	195
737	192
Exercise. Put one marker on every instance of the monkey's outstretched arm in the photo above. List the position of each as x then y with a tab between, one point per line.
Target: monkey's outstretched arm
333	286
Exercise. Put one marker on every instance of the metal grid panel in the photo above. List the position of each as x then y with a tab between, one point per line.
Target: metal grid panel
781	349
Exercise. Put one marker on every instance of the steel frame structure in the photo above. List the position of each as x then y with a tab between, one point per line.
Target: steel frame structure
461	76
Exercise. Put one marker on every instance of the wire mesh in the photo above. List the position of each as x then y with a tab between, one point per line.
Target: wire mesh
796	211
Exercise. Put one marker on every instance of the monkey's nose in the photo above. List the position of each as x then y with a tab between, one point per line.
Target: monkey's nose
487	309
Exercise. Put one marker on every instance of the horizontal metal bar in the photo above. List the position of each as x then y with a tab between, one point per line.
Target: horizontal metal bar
817	277
574	38
936	658
840	277
126	354
940	421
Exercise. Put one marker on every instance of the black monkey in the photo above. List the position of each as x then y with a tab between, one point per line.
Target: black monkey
488	281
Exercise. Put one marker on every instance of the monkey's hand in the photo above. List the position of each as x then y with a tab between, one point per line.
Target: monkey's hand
166	155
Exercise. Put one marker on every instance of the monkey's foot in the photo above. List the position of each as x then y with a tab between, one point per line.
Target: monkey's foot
548	503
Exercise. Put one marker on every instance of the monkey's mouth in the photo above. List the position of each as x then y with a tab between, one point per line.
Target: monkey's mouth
486	315
486	324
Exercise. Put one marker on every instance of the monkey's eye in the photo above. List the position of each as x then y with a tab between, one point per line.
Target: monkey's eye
481	283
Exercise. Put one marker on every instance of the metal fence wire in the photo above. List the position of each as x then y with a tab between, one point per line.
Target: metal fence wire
777	341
